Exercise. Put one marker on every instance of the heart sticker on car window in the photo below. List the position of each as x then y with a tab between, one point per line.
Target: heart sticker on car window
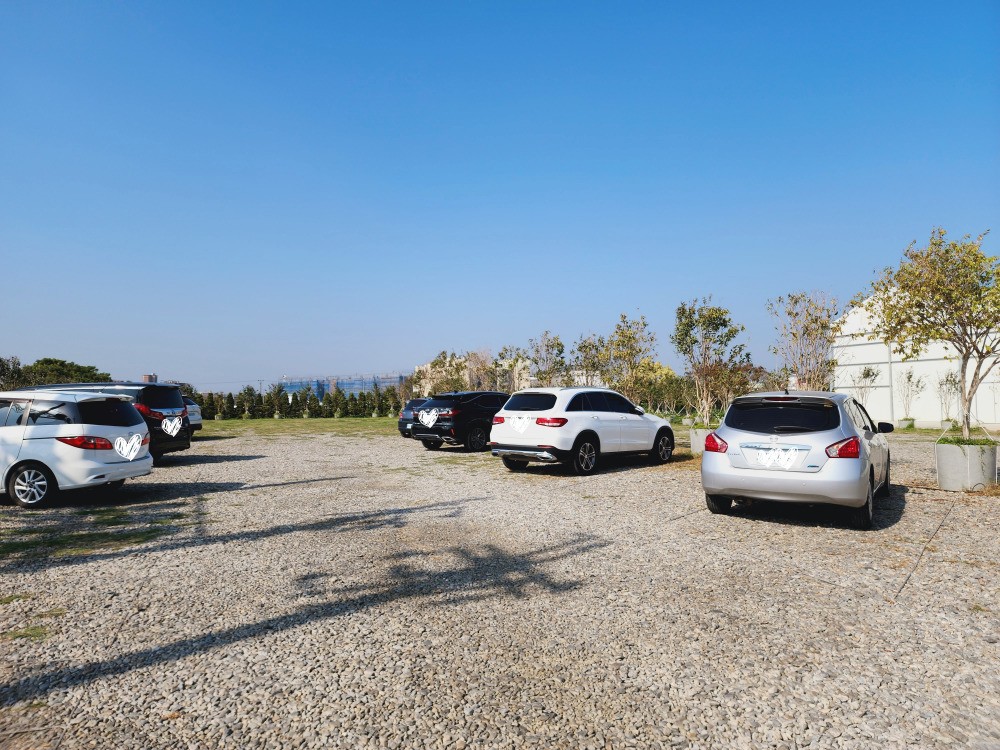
172	425
128	449
428	417
520	424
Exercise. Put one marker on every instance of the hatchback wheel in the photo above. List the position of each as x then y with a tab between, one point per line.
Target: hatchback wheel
476	439
718	503
861	518
663	449
585	455
883	491
31	486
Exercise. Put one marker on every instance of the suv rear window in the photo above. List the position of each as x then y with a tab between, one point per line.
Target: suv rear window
773	419
440	402
111	412
162	398
530	402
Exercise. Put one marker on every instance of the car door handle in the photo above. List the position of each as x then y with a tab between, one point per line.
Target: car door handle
595	417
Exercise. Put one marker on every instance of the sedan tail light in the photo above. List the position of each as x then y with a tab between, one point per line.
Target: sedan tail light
551	421
87	443
850	448
715	444
497	420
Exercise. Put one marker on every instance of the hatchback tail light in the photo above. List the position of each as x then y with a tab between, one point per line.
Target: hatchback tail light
551	421
87	443
850	448
715	444
497	420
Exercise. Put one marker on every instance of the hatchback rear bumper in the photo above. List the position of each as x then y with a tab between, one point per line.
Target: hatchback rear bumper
839	482
83	473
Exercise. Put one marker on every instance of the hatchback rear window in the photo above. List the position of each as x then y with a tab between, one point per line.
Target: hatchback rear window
772	419
111	412
162	398
530	402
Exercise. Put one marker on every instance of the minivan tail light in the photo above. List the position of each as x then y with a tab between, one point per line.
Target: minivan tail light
87	443
850	448
551	421
497	420
715	444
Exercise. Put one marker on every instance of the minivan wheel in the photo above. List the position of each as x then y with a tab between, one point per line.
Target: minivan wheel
431	445
718	503
31	486
663	449
861	518
585	455
513	464
476	439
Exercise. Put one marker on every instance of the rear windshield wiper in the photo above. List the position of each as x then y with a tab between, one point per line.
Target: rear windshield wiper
790	428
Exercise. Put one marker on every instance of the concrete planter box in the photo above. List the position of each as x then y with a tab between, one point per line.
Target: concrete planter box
905	424
687	421
698	435
965	467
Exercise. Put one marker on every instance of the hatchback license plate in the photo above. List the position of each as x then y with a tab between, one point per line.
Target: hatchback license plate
777	458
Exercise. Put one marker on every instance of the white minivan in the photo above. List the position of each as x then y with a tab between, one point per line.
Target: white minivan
53	440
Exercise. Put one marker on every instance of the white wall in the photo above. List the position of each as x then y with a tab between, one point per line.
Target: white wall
853	351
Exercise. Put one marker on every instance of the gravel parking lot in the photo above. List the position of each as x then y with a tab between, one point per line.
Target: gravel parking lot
330	591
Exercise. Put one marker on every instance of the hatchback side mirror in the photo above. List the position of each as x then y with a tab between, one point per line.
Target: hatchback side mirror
884	427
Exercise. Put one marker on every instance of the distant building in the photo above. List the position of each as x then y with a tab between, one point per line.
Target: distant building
354	384
935	404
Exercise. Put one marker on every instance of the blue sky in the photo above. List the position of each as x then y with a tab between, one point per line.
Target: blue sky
222	192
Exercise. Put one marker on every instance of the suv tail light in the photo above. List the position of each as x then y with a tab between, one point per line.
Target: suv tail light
87	443
850	448
147	412
551	421
184	413
497	420
145	440
448	413
715	444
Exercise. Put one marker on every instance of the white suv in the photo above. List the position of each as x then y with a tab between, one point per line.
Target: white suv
575	426
53	440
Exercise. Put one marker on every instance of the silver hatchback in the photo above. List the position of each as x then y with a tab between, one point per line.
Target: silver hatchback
798	447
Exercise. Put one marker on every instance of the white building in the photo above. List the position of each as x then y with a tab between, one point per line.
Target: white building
935	403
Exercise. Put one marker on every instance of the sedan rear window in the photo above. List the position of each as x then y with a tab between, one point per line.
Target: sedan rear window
530	402
772	419
111	412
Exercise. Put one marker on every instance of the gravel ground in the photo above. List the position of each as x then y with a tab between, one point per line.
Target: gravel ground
362	592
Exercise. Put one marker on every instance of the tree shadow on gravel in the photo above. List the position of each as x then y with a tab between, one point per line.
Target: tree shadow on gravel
67	540
888	512
470	574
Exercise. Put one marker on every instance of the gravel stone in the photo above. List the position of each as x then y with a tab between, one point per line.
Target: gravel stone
334	592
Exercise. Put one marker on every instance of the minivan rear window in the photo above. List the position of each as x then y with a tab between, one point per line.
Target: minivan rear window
530	402
111	412
162	398
773	419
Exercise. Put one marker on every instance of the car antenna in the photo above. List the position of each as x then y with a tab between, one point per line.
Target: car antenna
786	390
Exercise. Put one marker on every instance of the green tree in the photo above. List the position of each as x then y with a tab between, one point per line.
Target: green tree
547	356
47	370
807	325
295	406
392	402
313	406
279	400
229	407
11	373
945	292
339	402
352	406
207	405
446	372
630	350
705	337
246	403
507	369
329	409
590	360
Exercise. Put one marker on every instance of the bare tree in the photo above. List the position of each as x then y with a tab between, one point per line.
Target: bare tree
807	325
910	386
864	381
